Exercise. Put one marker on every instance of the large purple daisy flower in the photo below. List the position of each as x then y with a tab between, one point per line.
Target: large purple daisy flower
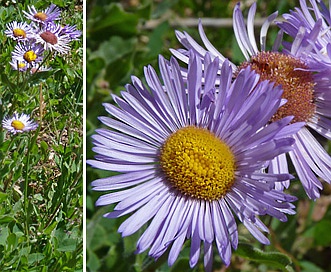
306	85
190	156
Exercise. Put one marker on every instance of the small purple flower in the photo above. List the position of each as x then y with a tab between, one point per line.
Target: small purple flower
28	54
71	31
19	123
190	153
312	20
51	14
306	84
19	31
19	65
50	36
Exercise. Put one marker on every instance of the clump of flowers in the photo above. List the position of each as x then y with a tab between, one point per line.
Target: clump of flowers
42	35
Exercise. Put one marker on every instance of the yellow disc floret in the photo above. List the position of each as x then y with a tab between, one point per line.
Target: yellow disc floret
197	163
17	124
30	56
21	65
18	32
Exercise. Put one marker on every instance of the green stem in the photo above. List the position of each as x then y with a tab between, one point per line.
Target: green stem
32	141
26	200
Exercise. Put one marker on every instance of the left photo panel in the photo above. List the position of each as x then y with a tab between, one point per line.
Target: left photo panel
41	136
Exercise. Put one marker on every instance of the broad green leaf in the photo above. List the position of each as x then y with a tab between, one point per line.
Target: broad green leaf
112	20
35	257
4	235
274	259
3	196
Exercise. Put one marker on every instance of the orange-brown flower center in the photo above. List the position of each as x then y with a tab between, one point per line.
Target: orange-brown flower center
40	16
18	32
49	37
294	77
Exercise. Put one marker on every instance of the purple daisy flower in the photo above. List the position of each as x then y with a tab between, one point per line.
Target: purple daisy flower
28	54
19	31
19	123
51	14
71	31
190	156
306	84
19	65
314	20
51	38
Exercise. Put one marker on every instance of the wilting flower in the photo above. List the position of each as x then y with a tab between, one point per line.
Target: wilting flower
190	153
314	21
51	14
306	85
19	123
51	38
19	31
28	54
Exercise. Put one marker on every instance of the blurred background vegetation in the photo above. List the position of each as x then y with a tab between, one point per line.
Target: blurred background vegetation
123	37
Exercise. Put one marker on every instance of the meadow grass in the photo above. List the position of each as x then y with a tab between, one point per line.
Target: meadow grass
41	171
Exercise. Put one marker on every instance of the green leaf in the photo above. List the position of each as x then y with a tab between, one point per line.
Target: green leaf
67	245
308	267
12	241
114	49
322	233
112	20
3	236
275	259
156	40
3	196
35	258
6	219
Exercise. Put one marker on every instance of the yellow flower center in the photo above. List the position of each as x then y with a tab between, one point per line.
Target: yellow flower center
21	65
296	81
49	37
197	163
18	32
40	16
30	56
17	124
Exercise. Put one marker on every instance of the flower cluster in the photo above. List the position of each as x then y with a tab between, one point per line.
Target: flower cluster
43	34
210	140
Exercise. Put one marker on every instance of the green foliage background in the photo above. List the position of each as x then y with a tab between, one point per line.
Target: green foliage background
118	45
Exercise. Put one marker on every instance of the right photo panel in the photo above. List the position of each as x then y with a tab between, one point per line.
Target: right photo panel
208	129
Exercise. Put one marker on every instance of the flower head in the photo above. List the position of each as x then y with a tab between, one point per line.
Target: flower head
27	54
51	38
19	65
51	14
190	153
71	31
19	31
312	20
19	123
306	84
